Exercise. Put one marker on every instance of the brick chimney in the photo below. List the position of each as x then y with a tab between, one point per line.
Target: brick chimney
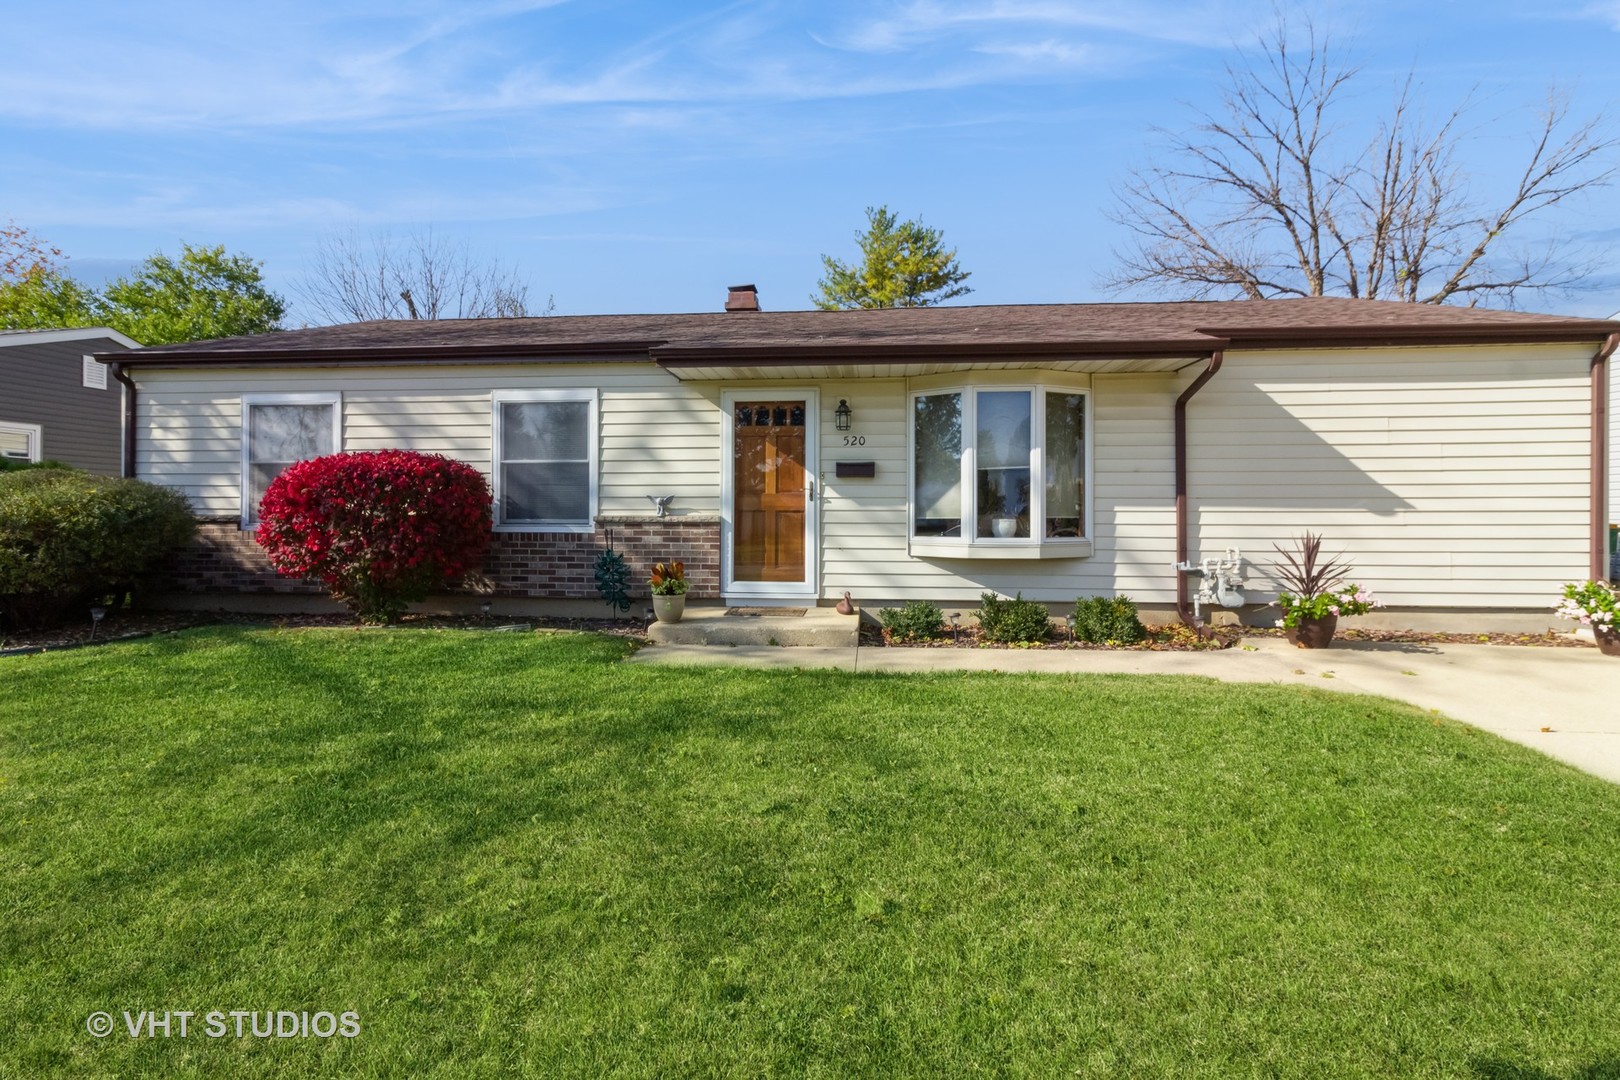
742	298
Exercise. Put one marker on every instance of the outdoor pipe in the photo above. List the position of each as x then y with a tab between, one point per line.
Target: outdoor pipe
1183	604
1599	568
129	418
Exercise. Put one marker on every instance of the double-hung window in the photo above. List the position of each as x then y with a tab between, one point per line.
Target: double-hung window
546	460
278	430
20	442
999	471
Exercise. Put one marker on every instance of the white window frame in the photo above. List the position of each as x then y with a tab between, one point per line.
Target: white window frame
35	435
996	547
505	397
335	400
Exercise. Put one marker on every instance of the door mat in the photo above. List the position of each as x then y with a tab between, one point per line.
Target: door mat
759	612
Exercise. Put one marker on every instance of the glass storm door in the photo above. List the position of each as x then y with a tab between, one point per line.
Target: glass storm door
772	495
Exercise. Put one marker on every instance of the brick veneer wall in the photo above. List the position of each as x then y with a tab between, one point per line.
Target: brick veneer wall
563	565
225	559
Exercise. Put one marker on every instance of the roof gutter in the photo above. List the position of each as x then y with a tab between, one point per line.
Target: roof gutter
1599	538
1183	603
129	417
393	355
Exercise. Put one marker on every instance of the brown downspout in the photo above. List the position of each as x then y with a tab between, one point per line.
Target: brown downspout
1599	569
1183	604
129	417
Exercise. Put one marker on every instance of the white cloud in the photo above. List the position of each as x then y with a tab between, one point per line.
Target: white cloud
1050	52
1210	23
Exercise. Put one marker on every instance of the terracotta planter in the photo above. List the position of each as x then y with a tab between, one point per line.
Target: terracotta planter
1608	640
1313	633
669	607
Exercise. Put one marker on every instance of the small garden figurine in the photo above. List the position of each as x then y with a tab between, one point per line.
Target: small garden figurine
1315	593
1594	604
669	585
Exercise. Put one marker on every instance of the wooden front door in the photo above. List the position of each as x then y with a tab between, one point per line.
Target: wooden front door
771	491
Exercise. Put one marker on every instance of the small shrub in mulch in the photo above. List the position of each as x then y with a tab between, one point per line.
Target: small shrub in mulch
917	621
1013	622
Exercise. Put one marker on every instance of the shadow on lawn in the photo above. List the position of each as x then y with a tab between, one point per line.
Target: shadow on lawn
1606	1069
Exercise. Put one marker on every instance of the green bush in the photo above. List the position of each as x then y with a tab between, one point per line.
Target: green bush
69	540
1100	619
917	621
1013	621
13	465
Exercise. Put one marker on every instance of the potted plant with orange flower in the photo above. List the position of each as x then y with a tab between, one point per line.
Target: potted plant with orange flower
669	585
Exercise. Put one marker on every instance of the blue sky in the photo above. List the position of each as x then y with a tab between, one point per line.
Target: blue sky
643	156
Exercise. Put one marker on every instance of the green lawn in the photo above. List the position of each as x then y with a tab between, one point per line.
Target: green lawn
512	854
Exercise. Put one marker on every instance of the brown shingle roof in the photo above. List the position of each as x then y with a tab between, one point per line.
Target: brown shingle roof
1178	328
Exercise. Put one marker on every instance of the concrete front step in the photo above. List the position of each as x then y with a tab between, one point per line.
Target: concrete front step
706	624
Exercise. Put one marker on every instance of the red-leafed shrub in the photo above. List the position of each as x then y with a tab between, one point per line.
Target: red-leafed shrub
380	529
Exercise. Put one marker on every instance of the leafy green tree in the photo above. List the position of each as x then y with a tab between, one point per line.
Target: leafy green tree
45	299
205	294
903	264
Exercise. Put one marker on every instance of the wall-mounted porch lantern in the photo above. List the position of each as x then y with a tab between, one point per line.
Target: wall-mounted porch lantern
842	415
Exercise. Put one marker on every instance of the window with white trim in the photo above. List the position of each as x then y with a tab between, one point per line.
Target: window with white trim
278	430
20	442
546	460
999	468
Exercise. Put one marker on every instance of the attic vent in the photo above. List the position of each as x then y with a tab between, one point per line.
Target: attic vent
742	298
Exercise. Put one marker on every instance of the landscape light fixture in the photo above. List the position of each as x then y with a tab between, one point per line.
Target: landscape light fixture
955	617
1069	621
97	613
842	415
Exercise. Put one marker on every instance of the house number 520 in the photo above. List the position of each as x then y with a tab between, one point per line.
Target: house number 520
854	440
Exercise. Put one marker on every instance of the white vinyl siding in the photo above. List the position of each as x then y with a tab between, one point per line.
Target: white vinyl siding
656	436
1449	477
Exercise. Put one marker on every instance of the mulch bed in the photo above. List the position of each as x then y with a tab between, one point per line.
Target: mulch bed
1175	638
1171	637
1547	640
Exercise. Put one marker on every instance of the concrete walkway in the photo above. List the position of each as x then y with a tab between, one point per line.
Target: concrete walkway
1562	702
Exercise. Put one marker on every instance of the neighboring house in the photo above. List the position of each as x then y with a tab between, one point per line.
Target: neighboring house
58	404
935	453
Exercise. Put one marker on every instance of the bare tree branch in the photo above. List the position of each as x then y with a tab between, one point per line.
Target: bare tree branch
355	279
1269	198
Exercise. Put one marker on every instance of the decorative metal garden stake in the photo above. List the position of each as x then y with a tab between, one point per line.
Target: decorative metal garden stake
613	577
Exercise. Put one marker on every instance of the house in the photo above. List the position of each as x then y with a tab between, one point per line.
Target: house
58	404
1455	455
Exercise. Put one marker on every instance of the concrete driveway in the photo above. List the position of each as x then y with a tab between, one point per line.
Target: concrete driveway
1562	702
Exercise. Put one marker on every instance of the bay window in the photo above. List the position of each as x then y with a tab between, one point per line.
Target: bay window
999	471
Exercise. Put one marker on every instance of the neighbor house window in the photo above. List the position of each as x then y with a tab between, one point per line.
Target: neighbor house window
20	442
545	460
998	467
278	430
